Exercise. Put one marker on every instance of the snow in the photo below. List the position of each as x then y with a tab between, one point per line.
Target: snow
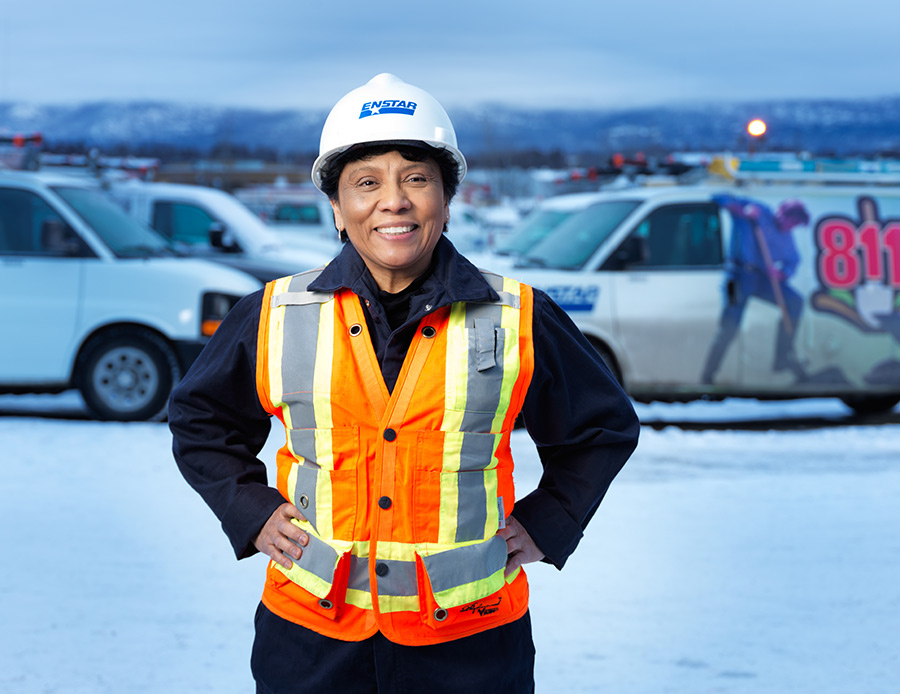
724	559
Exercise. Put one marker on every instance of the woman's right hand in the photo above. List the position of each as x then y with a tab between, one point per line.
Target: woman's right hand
281	539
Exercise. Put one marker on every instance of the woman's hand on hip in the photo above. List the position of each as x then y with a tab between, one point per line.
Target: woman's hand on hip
281	539
520	548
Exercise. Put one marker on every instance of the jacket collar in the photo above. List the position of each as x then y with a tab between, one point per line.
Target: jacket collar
453	278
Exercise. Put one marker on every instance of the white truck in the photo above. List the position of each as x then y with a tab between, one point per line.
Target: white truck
212	224
751	288
90	299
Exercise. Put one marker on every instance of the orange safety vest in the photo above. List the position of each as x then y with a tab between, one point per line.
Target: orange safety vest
403	492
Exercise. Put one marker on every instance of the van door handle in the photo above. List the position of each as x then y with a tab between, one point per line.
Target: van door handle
731	291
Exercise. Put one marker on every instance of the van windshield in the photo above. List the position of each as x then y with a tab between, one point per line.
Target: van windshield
533	229
125	237
571	244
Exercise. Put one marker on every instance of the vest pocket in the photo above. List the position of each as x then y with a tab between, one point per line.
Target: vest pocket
475	385
456	487
318	580
325	482
463	584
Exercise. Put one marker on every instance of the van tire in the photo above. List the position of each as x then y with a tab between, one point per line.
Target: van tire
127	374
870	404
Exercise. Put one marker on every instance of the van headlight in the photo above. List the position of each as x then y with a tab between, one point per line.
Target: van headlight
215	307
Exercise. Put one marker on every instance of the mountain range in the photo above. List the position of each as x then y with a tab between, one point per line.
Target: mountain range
824	127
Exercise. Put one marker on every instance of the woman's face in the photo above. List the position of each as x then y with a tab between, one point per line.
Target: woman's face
394	212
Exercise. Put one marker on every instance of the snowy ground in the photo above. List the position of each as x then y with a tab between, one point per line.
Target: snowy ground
721	561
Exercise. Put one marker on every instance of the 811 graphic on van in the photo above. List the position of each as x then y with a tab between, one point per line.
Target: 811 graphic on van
765	291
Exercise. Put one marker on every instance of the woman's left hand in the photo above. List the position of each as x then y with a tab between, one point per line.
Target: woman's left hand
520	548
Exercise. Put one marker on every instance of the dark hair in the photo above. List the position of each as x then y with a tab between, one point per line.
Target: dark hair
411	151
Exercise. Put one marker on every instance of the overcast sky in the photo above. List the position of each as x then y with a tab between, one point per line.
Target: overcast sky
276	54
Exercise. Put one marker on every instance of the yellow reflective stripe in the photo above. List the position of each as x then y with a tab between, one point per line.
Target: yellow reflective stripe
315	569
470	592
456	380
359	598
292	483
456	369
398	603
276	325
509	321
324	502
324	366
492	514
449	507
399	551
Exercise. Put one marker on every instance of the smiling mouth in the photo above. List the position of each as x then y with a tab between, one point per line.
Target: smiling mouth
396	231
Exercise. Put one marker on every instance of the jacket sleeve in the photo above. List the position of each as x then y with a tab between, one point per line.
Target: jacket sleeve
583	425
219	427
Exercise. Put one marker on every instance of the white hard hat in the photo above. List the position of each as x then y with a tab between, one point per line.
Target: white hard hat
384	110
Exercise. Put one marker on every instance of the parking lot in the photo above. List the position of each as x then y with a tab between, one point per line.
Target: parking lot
722	560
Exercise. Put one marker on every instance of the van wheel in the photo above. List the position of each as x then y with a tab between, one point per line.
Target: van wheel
127	375
870	404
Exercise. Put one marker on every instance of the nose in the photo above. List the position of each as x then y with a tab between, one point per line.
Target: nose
394	198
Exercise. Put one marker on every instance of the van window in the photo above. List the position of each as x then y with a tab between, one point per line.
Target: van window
298	213
533	229
675	236
124	236
571	244
182	222
29	226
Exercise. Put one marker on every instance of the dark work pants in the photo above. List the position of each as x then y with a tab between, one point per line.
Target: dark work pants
291	659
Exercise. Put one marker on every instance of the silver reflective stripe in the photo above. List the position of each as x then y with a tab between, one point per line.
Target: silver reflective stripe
307	478
300	298
297	373
318	558
476	453
303	441
483	385
400	578
471	514
484	344
359	573
509	299
496	281
457	567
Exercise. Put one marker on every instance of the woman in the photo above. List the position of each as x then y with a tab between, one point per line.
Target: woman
398	370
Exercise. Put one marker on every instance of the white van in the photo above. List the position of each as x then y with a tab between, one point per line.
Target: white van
538	223
90	299
212	224
766	291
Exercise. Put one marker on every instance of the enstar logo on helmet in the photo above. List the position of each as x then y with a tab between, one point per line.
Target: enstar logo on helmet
376	108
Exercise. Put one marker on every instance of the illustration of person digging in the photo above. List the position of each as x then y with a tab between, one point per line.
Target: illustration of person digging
762	259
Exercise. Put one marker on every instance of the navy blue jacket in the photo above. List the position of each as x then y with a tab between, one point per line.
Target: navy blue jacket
581	421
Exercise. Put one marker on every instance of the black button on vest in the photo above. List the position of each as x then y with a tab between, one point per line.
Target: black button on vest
382	569
385	502
390	434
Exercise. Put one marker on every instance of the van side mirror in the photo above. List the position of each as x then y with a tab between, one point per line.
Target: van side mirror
58	239
221	239
632	251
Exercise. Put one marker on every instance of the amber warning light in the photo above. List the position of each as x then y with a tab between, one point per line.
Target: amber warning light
756	127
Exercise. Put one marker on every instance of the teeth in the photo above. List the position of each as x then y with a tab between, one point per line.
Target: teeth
391	231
